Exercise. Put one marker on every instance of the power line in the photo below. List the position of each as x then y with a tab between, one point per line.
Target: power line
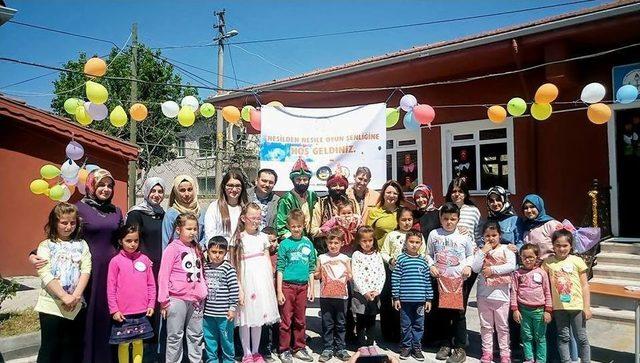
233	68
187	73
63	32
262	58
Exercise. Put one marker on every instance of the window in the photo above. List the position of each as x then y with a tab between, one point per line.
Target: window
180	152
479	151
207	185
404	158
205	147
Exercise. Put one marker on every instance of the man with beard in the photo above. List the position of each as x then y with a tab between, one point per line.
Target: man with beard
327	206
262	194
298	198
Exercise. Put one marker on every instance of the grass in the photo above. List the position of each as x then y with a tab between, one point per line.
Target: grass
19	322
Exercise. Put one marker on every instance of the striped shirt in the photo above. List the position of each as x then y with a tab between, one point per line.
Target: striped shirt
470	219
222	283
410	280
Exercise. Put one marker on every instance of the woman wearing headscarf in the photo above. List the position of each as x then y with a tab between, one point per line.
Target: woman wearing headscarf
426	214
536	226
501	211
182	199
100	221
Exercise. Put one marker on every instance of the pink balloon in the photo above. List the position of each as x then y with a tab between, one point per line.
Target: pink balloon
81	188
255	119
424	114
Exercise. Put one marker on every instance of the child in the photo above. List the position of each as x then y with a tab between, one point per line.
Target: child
334	270
412	294
182	290
347	221
570	292
258	305
450	254
531	304
368	280
269	338
64	277
494	263
131	294
296	265
394	243
221	304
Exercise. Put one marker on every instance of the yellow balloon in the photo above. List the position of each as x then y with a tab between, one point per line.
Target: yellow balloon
138	112
599	113
541	111
275	104
96	93
49	171
546	93
186	116
497	114
82	116
38	186
95	67
118	117
231	114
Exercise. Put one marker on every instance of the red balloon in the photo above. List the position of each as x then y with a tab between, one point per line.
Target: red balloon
255	119
424	114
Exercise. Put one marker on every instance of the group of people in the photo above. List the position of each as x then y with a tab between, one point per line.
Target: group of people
246	267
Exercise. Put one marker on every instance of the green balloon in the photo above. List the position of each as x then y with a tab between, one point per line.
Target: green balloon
56	192
71	104
393	115
516	106
49	171
207	110
246	112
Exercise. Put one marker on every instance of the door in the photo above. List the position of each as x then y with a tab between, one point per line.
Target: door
628	167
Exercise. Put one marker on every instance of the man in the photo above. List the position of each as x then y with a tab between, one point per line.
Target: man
262	194
364	197
298	198
327	208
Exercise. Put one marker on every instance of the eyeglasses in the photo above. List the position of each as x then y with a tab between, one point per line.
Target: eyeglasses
233	186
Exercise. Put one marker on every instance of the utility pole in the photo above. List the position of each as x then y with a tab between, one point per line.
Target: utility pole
133	175
219	121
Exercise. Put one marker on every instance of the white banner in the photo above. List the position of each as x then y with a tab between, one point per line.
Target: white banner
325	138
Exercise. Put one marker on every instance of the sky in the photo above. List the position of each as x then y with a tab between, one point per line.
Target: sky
163	23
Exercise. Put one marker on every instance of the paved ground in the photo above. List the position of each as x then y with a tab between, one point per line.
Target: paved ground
610	342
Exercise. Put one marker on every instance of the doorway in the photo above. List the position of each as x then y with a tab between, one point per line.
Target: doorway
627	124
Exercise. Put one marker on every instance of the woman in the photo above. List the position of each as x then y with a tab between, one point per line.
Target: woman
364	196
537	226
426	213
100	221
182	199
223	213
501	211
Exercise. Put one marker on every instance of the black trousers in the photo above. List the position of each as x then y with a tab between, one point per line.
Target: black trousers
389	317
364	328
334	329
61	339
269	339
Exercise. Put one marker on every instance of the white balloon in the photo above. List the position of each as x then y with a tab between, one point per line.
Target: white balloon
73	181
190	101
69	170
407	102
593	93
97	112
170	109
66	195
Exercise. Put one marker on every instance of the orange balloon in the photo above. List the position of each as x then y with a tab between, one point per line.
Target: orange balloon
497	114
82	176
231	114
138	111
95	67
599	113
546	93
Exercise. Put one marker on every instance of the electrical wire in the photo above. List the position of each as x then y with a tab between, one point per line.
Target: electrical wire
63	32
262	58
233	67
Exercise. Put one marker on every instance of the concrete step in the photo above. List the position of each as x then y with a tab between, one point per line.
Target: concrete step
612	315
614	271
614	281
631	247
618	259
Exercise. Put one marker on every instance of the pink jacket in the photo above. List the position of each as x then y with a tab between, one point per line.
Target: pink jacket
531	288
131	288
181	274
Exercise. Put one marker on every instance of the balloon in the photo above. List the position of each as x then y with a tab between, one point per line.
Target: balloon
256	119
627	94
56	192
71	104
49	171
82	188
82	116
69	169
73	181
138	112
592	93
231	114
96	93
38	186
410	122
407	102
246	112
46	192
82	175
96	112
424	114
186	117
275	104
118	117
190	101
170	109
599	113
497	114
516	106
95	67
393	115
66	194
90	168
541	111
74	151
546	93
207	110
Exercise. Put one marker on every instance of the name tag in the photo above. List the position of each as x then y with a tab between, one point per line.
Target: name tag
140	266
537	277
567	268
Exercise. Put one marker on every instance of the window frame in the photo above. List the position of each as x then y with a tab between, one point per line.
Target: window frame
448	131
396	136
200	149
201	192
181	151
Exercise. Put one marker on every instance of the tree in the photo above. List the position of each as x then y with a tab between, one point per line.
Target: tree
157	134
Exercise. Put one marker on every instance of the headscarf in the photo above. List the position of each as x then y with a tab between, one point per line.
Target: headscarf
146	206
300	168
542	217
507	208
426	190
180	205
91	185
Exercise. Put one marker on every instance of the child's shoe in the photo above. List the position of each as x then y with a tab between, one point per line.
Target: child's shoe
443	353
529	361
326	355
417	355
257	358
343	355
247	359
458	355
285	357
405	353
487	357
303	355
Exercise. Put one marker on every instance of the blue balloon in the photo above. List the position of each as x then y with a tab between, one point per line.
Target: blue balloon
410	122
91	167
627	94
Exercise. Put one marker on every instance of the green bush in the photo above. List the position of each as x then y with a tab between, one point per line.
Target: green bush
8	289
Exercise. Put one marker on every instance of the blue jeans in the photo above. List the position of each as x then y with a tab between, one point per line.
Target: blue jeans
412	324
218	333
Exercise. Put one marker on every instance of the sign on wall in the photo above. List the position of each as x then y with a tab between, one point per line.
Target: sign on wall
325	138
